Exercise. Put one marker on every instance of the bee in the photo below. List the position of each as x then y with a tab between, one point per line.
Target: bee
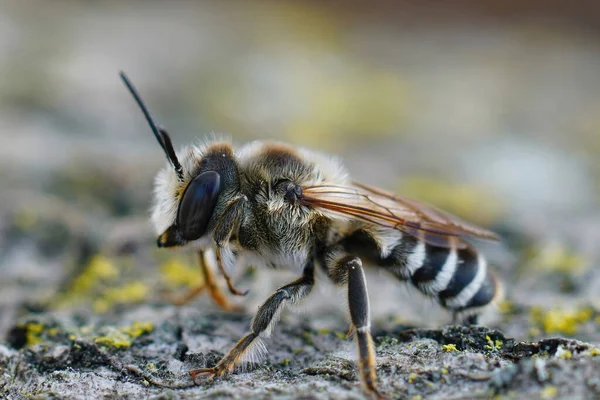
280	206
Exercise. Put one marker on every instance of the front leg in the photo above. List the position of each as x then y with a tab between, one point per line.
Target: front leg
262	324
209	282
228	223
347	270
221	262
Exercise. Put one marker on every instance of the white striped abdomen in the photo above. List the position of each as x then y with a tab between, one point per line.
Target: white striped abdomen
458	278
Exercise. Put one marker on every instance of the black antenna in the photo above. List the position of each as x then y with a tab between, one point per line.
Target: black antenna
161	134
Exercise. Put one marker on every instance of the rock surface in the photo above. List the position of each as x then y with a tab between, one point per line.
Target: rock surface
147	360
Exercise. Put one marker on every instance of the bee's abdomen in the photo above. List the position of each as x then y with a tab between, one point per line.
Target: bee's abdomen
459	279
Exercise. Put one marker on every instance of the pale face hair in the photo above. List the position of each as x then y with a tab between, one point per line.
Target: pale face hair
168	188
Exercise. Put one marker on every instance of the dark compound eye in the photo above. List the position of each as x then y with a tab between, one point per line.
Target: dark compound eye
291	191
197	205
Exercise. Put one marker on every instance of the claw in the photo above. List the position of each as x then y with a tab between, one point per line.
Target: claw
208	373
176	300
233	289
230	285
351	331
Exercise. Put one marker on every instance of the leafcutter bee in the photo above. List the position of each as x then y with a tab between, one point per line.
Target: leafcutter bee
281	206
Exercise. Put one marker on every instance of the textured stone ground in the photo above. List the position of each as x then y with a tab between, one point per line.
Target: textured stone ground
152	360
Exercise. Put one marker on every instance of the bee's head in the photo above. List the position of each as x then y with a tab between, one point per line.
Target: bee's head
189	194
186	208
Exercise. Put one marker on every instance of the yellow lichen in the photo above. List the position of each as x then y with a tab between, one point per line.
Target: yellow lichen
133	292
101	305
444	370
564	354
449	347
593	352
114	338
138	329
177	273
53	331
549	392
123	337
99	269
33	333
493	345
561	321
323	331
558	258
412	377
506	307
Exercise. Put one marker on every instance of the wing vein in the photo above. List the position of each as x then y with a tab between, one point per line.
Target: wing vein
385	209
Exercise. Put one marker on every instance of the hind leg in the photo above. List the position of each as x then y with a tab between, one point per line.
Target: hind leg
347	270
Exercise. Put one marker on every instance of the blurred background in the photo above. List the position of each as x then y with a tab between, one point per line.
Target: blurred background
488	109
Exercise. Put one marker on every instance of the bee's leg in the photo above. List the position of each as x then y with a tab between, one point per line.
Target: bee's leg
348	270
228	280
221	235
209	282
192	291
470	319
351	330
262	324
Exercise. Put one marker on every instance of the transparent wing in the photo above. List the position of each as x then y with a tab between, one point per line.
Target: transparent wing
382	208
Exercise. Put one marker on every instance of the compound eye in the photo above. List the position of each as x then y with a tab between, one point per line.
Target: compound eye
197	205
291	191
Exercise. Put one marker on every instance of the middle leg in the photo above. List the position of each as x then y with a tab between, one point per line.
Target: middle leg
263	322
